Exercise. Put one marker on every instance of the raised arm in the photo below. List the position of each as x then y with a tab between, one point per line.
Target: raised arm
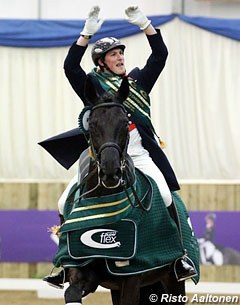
92	26
72	64
148	75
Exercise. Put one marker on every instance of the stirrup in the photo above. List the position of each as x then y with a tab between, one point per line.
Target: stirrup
53	279
189	273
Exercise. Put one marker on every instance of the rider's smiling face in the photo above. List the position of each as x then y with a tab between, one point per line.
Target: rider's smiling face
114	59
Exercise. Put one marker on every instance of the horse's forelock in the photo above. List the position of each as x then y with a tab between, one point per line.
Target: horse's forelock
106	97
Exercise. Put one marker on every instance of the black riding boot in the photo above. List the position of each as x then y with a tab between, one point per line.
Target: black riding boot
182	269
57	280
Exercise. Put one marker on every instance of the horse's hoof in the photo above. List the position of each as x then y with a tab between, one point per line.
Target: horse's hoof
73	294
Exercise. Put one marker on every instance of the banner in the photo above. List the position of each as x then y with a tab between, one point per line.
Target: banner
58	33
25	236
218	237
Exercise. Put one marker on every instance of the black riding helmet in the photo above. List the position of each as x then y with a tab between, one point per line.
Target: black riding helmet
102	46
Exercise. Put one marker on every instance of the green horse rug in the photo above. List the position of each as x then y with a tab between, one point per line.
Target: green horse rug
130	239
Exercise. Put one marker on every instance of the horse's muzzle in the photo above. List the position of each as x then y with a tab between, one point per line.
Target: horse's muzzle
110	167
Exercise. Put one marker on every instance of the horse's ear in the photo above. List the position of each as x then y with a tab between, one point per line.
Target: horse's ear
92	90
123	91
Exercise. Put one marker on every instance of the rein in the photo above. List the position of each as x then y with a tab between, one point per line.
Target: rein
138	201
123	182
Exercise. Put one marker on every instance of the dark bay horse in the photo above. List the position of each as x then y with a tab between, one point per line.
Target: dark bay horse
111	171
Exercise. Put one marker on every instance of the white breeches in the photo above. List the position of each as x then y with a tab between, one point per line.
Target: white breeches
144	162
141	160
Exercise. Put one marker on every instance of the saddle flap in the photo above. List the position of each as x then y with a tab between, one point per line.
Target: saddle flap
117	241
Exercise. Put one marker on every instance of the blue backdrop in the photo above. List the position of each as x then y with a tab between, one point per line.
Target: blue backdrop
58	33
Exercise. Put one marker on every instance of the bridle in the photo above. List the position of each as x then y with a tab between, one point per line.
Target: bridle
127	179
96	154
127	174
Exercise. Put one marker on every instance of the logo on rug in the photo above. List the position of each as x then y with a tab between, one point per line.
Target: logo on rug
100	239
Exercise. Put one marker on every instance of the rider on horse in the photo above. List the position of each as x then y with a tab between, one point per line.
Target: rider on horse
145	151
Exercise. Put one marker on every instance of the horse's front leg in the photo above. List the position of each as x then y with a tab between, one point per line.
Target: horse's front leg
74	293
82	282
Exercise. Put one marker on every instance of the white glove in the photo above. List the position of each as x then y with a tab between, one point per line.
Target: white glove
92	23
135	16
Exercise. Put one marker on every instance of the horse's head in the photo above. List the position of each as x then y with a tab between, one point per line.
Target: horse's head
108	129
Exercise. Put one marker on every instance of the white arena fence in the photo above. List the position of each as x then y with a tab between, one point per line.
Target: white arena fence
45	291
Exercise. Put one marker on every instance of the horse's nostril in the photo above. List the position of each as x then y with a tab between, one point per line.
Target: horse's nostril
116	178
